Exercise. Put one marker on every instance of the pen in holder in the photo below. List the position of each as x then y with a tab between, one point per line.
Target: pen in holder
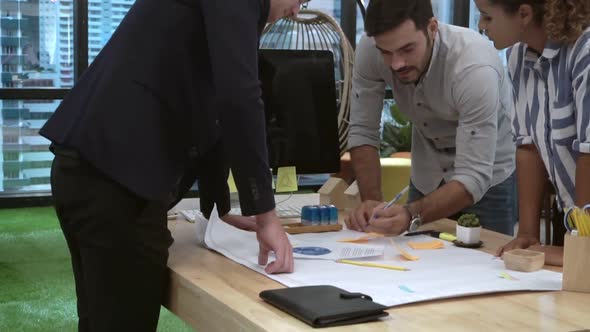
576	260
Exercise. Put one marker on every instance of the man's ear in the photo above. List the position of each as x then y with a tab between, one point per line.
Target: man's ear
433	27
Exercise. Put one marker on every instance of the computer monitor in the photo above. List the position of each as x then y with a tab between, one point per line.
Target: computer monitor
299	94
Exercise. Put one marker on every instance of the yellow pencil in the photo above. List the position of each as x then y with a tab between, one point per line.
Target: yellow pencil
584	226
579	221
586	223
369	264
575	220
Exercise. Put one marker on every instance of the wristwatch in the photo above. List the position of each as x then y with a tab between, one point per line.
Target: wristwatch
415	219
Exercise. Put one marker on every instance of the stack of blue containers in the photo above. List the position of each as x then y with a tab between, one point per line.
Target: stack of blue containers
319	215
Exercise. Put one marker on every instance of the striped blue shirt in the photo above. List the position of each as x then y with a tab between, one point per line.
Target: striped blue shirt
552	99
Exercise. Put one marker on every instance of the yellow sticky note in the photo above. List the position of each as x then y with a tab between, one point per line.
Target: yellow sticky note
272	179
286	179
434	244
361	239
231	183
404	253
507	276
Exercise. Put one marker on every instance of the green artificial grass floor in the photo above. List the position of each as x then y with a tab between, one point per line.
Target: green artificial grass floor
36	280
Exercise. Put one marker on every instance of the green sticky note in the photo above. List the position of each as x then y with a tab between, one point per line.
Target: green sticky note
286	179
231	183
272	179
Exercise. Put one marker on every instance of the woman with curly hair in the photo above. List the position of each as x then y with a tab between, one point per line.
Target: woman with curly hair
549	65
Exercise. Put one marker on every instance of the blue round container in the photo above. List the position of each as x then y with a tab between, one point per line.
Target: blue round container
333	214
306	215
325	214
315	215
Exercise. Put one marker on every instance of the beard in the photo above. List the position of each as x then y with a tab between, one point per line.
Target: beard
404	74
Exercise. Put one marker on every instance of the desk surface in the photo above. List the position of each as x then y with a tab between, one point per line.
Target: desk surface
212	293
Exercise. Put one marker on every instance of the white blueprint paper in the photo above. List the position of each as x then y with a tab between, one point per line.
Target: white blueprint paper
441	273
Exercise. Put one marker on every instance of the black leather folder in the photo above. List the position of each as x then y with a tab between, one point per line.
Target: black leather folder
323	306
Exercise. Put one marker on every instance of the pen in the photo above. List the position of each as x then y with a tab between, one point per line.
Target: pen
396	198
427	232
369	264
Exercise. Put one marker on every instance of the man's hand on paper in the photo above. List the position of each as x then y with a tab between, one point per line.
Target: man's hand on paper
520	242
358	219
391	221
272	236
241	222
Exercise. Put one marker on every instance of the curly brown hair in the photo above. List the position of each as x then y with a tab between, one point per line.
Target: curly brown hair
565	20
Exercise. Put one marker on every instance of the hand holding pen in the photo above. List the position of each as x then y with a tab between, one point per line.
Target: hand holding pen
389	218
396	198
358	218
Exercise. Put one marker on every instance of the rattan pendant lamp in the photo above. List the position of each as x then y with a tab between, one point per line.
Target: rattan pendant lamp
315	30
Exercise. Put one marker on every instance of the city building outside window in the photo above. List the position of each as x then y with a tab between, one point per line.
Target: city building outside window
37	52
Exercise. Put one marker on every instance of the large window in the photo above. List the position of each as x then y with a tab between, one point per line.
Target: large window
104	17
37	40
330	7
38	57
25	159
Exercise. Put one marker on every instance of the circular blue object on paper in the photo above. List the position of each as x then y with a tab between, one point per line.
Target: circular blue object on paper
312	251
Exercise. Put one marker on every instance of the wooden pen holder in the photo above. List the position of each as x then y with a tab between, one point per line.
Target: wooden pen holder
576	263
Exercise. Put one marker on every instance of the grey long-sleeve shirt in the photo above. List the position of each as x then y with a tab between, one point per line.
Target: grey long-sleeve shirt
461	110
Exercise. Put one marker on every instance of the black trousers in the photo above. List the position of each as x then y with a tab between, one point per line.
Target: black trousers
119	247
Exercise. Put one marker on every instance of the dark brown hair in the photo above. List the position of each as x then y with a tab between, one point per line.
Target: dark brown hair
512	6
384	15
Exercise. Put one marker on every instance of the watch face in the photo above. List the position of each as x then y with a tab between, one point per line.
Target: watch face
414	224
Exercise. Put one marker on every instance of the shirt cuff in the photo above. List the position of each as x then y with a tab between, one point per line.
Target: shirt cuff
359	140
261	199
581	147
471	185
523	140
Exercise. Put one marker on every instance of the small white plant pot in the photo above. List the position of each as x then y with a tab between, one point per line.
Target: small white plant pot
468	235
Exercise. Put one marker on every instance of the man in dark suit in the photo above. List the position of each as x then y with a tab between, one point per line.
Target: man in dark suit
173	96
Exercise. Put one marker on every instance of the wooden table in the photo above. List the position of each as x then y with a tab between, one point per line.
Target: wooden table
212	293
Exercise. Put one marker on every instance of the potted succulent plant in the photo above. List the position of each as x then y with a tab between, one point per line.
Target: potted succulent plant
468	229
